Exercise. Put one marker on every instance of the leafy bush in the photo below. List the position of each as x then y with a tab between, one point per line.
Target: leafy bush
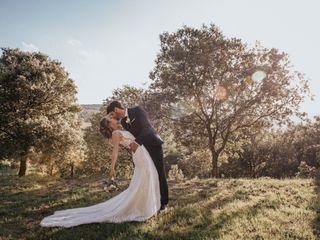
175	173
305	170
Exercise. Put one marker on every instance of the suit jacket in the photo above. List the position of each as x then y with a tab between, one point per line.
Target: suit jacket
140	127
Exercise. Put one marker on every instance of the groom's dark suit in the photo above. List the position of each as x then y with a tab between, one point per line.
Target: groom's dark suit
146	135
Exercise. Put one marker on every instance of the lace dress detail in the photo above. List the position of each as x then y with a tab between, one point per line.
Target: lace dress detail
139	202
126	137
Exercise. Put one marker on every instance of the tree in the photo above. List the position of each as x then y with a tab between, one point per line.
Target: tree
277	152
214	88
38	109
131	96
98	152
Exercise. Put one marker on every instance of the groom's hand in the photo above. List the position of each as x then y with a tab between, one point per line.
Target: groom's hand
134	146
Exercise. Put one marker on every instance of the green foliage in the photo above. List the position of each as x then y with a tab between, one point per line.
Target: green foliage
38	109
214	88
211	98
98	153
129	96
196	163
306	171
277	153
175	173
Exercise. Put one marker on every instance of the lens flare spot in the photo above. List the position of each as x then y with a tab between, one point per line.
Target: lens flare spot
258	76
220	92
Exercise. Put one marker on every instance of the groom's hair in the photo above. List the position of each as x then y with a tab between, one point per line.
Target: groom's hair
113	105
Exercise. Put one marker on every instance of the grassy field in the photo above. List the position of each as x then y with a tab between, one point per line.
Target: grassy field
199	209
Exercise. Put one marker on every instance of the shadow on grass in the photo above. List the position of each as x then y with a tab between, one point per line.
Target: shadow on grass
190	215
23	207
316	205
186	222
192	222
181	214
97	231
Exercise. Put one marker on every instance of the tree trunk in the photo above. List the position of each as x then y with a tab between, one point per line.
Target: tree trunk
51	169
23	165
50	166
72	170
252	169
214	153
214	162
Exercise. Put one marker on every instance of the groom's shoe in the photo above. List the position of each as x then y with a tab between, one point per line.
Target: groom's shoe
163	208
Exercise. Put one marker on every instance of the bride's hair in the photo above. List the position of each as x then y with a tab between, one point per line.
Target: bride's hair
104	129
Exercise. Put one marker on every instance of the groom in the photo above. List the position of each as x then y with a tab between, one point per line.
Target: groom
136	121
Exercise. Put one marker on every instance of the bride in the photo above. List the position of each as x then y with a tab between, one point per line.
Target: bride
140	201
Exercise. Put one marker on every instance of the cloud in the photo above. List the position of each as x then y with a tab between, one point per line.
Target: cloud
75	43
77	47
29	47
84	53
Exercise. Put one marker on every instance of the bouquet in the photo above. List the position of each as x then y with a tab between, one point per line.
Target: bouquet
110	184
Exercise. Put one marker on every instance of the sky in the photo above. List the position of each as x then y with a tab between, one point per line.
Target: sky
105	44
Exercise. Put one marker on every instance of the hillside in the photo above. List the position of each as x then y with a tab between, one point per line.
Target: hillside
199	209
87	112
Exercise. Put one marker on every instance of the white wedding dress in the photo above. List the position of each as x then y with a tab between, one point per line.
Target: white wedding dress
140	201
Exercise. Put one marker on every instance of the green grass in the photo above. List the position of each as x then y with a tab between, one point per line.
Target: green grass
199	209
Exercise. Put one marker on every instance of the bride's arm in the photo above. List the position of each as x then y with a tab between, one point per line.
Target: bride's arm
115	151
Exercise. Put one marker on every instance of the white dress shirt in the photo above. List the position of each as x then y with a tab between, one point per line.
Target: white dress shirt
126	115
128	121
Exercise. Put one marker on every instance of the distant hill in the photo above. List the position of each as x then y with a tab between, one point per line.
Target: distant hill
87	112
